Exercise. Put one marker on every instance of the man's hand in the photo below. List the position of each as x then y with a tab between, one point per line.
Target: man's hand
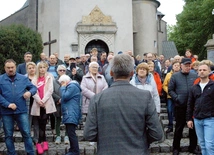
74	71
12	106
27	95
190	124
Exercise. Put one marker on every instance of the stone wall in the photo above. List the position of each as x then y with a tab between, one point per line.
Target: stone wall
25	16
145	26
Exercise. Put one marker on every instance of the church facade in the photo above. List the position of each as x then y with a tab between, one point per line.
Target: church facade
76	26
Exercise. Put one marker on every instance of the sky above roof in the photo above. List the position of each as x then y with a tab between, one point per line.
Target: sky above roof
168	7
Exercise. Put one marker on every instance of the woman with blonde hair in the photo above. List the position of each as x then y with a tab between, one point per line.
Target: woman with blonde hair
31	73
43	104
145	80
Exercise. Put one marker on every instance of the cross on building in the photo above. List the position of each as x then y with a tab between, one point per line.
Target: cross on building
49	42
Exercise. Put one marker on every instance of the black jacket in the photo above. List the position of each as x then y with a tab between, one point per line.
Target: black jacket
179	86
201	104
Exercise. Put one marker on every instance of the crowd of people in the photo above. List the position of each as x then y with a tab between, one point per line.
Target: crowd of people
122	119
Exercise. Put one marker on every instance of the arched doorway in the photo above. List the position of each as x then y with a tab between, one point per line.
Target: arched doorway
99	44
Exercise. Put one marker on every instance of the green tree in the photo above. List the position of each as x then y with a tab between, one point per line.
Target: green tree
15	40
195	25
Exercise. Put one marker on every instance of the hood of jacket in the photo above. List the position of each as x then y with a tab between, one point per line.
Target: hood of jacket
148	79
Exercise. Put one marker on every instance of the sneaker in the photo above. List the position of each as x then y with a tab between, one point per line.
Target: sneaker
66	140
45	146
39	148
58	140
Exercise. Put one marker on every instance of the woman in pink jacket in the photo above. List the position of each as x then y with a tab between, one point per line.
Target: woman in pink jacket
43	104
92	83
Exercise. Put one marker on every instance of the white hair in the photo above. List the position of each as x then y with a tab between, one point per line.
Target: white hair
61	67
93	63
64	78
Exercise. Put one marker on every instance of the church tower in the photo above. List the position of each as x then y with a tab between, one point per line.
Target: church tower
145	26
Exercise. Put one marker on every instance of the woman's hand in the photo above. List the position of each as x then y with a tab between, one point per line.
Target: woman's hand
63	83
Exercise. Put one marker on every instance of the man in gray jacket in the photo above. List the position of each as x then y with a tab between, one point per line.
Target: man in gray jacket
122	119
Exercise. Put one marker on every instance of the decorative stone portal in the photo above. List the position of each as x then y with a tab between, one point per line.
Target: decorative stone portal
96	26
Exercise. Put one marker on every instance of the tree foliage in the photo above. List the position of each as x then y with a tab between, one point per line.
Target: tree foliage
195	25
15	40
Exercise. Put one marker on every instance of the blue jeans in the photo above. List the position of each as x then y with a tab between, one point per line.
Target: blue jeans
74	145
205	133
23	124
170	111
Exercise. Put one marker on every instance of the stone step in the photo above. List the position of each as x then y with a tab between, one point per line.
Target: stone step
165	123
54	149
181	153
163	105
163	110
171	134
166	146
50	137
163	116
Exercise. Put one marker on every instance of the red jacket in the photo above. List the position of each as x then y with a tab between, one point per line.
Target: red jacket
158	82
211	76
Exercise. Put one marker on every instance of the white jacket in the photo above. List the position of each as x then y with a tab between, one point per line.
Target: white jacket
149	85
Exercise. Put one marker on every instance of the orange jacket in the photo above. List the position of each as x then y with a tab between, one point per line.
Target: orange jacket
158	82
211	76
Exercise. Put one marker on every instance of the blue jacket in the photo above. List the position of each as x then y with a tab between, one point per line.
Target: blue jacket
21	68
70	103
12	92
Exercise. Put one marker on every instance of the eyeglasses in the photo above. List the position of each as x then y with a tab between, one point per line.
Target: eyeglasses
61	70
94	67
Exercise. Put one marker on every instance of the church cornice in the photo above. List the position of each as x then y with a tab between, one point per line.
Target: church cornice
91	28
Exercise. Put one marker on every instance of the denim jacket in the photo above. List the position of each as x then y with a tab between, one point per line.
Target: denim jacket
12	92
70	103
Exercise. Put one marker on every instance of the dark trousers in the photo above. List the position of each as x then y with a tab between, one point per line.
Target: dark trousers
180	117
52	120
74	145
39	123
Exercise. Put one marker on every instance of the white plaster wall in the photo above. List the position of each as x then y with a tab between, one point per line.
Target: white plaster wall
71	12
145	26
48	20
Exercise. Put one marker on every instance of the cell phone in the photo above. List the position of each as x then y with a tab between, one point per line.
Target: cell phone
72	65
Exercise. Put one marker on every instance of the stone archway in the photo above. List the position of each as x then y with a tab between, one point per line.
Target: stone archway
96	26
99	44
